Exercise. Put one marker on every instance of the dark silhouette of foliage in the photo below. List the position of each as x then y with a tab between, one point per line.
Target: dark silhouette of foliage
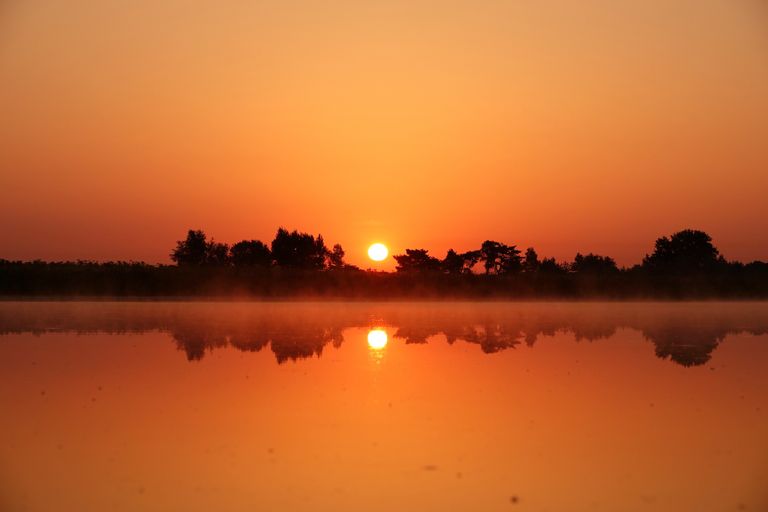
299	250
455	263
688	252
250	253
531	262
551	266
471	259
512	262
499	258
336	257
683	266
490	255
196	250
217	254
593	264
416	260
192	250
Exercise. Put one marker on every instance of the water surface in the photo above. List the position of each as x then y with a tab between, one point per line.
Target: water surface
371	406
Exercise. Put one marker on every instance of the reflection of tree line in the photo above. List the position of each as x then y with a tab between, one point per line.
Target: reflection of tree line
685	345
288	344
685	334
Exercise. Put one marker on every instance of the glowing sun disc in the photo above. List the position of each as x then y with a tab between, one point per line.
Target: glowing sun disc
378	252
377	339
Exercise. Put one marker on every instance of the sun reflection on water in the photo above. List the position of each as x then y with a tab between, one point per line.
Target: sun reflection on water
377	339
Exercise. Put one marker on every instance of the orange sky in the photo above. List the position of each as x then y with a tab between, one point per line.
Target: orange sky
569	126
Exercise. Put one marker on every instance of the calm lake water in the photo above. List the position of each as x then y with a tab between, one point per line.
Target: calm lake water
383	406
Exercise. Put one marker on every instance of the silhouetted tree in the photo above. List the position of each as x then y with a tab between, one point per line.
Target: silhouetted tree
336	257
196	250
511	262
452	263
250	253
299	250
500	258
593	264
192	250
531	261
490	254
687	251
416	260
471	258
455	263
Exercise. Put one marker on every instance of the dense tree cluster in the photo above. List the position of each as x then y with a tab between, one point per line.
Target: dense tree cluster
289	249
686	251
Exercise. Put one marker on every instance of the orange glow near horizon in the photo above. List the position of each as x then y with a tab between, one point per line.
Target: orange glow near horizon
567	126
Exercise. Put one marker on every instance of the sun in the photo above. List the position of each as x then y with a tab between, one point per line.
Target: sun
378	252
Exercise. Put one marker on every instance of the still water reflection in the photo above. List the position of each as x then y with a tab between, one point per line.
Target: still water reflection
385	406
377	338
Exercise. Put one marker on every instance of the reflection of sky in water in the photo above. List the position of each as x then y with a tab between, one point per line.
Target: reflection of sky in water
473	407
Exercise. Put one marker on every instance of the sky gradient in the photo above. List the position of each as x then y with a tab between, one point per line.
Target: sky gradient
591	126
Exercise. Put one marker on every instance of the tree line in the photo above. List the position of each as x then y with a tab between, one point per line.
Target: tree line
684	265
684	252
288	249
688	252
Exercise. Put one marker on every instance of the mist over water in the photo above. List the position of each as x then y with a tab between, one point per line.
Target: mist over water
383	406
